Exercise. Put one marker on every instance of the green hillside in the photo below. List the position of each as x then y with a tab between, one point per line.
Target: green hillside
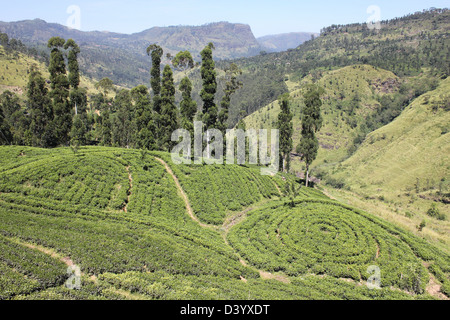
284	41
414	146
406	163
123	58
15	68
139	226
13	71
385	168
403	46
352	94
128	219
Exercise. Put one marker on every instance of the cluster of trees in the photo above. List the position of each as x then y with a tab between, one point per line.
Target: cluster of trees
311	119
56	111
11	44
14	47
46	120
391	106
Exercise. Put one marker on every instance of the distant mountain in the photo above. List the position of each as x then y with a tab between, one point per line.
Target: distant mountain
37	31
231	40
123	58
284	41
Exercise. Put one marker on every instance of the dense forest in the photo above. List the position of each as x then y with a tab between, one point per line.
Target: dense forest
402	45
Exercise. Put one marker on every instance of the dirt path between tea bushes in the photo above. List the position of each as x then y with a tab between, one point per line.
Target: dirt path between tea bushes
226	226
130	179
47	251
184	196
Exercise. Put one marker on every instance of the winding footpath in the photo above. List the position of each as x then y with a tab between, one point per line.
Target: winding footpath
231	221
227	225
184	196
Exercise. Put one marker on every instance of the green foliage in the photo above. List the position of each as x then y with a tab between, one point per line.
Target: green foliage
188	107
25	270
384	157
163	286
441	276
435	213
78	132
62	118
208	72
76	203
261	86
311	124
122	128
156	53
106	84
117	214
323	237
74	73
286	128
13	123
404	46
291	191
422	225
168	119
232	84
214	190
183	61
143	119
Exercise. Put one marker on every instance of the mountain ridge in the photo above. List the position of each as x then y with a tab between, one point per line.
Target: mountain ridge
284	41
123	58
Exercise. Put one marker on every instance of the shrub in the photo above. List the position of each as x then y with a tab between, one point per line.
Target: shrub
422	225
435	213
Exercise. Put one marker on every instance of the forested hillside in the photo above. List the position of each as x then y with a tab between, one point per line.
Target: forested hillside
403	46
123	58
284	41
15	66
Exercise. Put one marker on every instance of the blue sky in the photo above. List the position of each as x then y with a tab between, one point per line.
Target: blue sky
264	16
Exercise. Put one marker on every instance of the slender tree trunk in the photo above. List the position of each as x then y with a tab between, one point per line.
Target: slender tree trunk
207	145
307	175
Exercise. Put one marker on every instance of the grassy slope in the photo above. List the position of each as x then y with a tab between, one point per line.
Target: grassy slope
336	136
391	159
403	46
415	147
14	74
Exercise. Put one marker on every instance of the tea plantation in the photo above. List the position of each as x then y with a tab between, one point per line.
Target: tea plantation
122	217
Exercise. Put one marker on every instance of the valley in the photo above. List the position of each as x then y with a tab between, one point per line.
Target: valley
88	181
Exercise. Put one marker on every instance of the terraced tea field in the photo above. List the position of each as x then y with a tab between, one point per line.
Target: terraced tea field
140	227
325	238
